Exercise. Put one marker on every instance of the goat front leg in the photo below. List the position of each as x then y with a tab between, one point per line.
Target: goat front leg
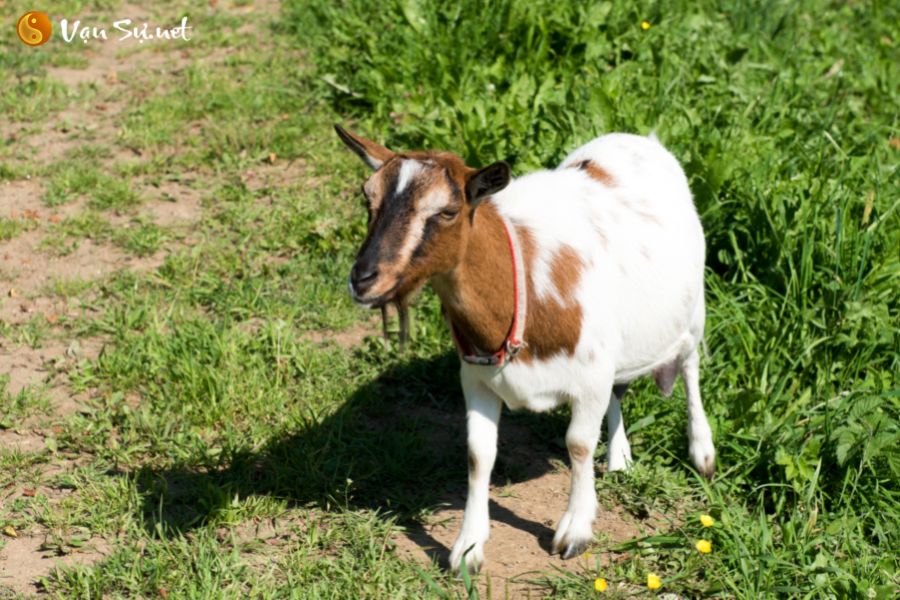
482	415
575	530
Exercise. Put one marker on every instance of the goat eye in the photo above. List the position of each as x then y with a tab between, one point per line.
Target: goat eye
449	214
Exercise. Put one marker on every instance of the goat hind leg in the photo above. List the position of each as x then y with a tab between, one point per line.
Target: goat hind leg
618	455
703	453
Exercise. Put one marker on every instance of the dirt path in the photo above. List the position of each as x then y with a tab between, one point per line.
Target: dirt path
523	517
32	275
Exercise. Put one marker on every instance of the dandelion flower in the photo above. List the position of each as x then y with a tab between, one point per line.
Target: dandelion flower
707	520
645	25
587	556
653	581
703	546
600	584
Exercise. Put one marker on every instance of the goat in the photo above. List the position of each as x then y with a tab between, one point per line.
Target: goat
584	277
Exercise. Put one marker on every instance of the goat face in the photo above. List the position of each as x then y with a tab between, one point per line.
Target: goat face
420	211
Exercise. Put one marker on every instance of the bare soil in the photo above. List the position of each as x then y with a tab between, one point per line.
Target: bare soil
28	271
348	338
23	561
523	518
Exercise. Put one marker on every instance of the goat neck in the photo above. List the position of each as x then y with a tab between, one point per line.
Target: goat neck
477	295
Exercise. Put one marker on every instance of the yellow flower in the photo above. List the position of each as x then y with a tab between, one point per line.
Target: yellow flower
587	555
600	584
645	25
707	520
653	581
704	546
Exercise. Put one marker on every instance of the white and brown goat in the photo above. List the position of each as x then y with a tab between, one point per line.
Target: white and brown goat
560	287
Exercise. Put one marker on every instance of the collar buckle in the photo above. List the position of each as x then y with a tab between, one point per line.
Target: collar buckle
513	347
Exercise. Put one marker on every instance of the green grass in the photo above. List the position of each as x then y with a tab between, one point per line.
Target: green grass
223	453
10	228
139	237
70	179
26	402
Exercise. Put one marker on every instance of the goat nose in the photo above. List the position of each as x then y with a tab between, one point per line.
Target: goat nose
363	276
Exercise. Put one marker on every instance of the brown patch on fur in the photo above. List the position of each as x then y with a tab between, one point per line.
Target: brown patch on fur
478	294
374	191
456	168
566	271
552	327
432	180
596	172
578	453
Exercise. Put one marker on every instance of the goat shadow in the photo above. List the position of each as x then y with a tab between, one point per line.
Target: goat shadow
397	445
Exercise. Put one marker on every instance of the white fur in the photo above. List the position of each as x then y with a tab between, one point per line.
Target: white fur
428	205
641	295
409	168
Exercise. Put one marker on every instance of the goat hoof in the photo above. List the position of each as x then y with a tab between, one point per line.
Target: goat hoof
472	554
618	463
703	455
571	545
575	549
573	535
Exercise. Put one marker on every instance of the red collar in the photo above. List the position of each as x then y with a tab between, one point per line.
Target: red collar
514	341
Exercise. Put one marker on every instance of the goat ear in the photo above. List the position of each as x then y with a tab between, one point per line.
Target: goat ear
487	181
373	154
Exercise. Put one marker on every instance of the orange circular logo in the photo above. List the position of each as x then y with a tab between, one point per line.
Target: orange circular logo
34	28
